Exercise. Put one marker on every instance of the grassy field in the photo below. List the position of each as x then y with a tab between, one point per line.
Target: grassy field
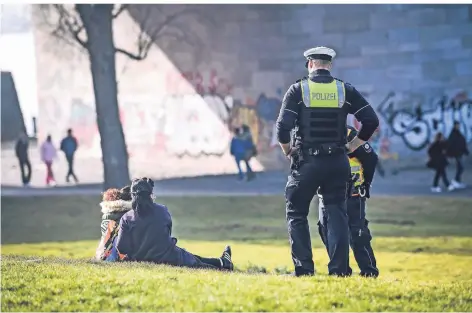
423	247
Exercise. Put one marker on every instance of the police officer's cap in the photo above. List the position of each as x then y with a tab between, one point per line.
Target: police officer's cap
319	53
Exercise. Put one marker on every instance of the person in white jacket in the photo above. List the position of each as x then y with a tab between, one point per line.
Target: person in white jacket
48	154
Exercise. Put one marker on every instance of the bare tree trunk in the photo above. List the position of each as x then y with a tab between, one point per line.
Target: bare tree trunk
97	20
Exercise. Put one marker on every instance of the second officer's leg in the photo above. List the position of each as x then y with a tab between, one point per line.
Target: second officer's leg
322	223
299	192
334	198
361	237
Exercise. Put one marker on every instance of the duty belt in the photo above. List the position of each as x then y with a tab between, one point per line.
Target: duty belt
326	149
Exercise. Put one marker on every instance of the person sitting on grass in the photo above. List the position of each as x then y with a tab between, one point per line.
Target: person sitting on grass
145	234
115	203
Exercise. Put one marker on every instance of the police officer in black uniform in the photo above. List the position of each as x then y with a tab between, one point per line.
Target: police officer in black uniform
317	107
363	162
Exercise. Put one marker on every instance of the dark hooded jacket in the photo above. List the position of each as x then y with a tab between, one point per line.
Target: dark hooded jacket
437	155
145	232
147	238
456	144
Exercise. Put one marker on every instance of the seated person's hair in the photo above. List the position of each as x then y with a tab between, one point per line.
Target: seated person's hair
149	181
111	194
141	190
125	193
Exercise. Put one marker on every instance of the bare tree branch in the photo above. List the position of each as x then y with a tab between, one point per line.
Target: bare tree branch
120	10
136	57
146	37
68	27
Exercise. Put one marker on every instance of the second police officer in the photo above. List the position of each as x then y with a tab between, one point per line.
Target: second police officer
316	107
363	162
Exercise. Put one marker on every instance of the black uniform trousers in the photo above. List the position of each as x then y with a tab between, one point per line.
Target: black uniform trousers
360	236
25	175
330	172
70	171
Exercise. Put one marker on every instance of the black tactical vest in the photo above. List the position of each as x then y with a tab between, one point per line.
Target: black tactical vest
323	116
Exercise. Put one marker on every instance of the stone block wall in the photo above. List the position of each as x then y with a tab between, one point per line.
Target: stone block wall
412	62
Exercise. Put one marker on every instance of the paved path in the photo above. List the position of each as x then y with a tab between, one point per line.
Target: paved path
412	182
408	183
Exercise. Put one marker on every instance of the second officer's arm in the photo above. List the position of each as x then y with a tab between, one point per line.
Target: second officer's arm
288	116
368	158
364	113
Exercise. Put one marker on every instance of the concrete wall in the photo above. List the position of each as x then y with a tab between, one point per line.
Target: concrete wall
223	65
18	58
11	116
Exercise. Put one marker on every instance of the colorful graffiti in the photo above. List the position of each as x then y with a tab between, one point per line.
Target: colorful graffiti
194	118
192	128
198	125
260	115
176	125
417	126
193	125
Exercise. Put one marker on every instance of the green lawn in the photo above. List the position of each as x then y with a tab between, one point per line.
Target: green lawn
423	247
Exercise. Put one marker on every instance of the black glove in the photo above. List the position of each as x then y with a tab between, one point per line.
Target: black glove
366	187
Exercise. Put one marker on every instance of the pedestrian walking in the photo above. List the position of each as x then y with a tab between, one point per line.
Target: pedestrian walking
457	149
69	146
438	162
239	150
21	151
48	155
251	150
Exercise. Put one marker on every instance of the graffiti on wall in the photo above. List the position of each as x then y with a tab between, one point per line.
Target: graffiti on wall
196	114
419	122
216	92
260	115
415	121
180	123
177	125
189	125
192	127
